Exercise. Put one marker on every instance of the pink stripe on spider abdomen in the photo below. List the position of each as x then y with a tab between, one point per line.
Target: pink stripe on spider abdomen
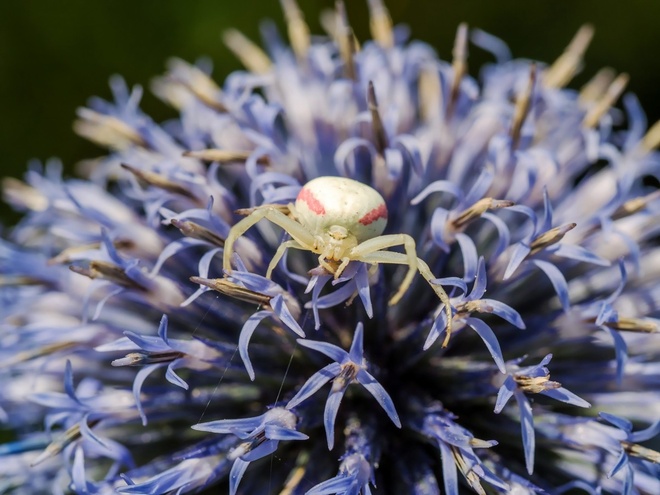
379	212
307	196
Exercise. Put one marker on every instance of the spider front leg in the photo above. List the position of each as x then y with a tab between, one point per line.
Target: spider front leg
424	270
280	252
331	268
274	215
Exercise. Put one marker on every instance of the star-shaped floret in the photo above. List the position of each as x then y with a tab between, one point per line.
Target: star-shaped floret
246	286
261	435
532	379
153	353
456	446
471	302
355	474
628	446
346	368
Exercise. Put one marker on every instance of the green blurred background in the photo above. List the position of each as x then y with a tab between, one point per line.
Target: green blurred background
54	55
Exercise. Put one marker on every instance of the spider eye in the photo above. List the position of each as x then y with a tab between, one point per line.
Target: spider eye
338	232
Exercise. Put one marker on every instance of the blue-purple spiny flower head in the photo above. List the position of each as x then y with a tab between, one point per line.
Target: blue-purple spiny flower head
177	321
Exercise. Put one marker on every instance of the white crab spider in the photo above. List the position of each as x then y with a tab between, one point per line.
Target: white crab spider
341	220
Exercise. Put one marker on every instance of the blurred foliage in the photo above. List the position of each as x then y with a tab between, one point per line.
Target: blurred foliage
54	55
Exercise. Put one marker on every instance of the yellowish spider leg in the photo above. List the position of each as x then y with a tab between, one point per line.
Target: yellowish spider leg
383	242
275	216
280	252
342	266
425	271
329	267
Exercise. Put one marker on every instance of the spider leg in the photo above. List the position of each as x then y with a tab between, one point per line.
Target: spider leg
295	230
342	266
425	271
286	209
328	266
280	252
383	242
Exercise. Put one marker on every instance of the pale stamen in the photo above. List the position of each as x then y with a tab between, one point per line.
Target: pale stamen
297	28
569	62
523	104
251	56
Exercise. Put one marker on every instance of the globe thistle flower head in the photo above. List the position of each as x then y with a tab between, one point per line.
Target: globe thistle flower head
450	243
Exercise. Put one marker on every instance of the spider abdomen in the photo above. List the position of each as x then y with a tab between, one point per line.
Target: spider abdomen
327	201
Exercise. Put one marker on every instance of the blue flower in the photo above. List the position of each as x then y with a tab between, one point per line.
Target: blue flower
531	379
456	446
262	435
156	352
79	411
630	466
471	302
246	285
348	367
354	476
527	201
